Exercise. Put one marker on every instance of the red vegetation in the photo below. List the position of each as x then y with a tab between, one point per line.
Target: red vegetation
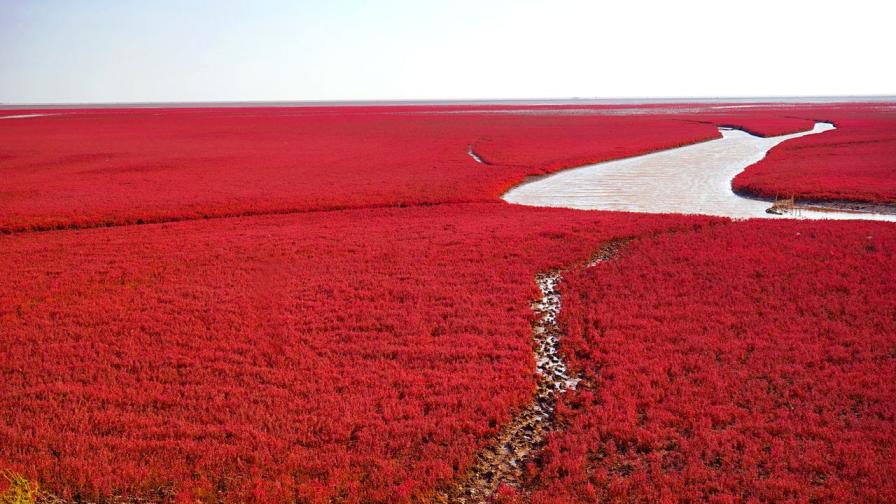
366	354
577	140
94	168
749	361
855	162
759	121
89	168
360	355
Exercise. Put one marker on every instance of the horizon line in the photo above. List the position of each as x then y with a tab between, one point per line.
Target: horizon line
459	101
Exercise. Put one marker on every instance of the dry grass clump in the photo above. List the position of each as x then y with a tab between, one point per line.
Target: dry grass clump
19	489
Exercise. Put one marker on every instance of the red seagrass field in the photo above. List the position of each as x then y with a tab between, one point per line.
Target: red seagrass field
333	304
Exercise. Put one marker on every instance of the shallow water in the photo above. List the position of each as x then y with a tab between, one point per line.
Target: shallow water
695	179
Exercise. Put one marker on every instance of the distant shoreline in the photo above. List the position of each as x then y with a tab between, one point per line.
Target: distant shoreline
516	102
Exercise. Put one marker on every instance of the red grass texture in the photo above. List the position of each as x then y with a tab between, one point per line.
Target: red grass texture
855	162
356	356
90	168
553	142
94	168
754	361
759	121
365	346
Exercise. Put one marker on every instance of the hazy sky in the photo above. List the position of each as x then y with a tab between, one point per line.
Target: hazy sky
159	50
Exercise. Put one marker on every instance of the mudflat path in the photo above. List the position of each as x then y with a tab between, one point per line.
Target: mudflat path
502	462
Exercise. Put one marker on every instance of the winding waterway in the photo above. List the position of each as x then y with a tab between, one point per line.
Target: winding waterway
695	179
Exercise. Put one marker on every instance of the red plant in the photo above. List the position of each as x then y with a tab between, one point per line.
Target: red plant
756	120
96	168
365	346
93	168
855	162
750	361
360	355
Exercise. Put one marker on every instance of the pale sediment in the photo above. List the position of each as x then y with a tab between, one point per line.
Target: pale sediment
473	155
695	179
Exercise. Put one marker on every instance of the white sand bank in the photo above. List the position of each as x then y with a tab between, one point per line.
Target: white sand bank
695	179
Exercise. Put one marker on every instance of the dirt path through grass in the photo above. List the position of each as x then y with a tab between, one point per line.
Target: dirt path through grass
502	462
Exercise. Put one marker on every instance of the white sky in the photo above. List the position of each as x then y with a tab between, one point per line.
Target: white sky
163	50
